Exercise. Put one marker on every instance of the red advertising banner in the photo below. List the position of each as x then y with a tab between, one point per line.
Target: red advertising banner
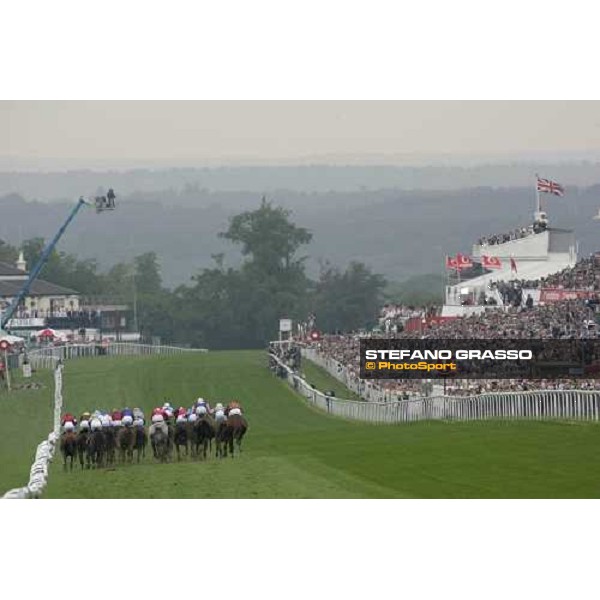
558	294
490	262
464	262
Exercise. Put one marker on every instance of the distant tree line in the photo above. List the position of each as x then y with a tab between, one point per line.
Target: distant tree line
227	307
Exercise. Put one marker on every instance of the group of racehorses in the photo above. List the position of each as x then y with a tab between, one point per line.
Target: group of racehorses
183	432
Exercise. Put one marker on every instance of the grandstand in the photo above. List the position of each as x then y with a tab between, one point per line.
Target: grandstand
530	254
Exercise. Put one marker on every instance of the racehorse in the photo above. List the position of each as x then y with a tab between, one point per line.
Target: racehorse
96	448
220	438
159	440
180	438
125	443
140	441
204	432
68	447
236	427
170	437
82	440
110	444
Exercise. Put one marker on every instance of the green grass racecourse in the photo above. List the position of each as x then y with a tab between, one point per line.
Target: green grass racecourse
292	450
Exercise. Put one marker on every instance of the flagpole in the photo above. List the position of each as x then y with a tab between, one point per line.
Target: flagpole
537	193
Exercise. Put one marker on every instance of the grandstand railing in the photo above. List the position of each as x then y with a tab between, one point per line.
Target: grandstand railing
46	358
338	371
540	405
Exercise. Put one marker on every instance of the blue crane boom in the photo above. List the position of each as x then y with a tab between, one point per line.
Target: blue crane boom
7	315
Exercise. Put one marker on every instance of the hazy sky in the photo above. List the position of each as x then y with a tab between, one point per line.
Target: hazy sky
119	134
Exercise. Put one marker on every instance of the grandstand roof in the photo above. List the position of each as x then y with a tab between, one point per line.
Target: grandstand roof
38	288
7	270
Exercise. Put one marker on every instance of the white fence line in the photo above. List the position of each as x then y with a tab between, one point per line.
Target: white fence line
46	358
38	475
540	405
337	370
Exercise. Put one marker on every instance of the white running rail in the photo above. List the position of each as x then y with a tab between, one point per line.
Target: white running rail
45	358
38	475
365	389
564	405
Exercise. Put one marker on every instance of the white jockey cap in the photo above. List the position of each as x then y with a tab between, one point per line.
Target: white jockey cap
219	406
84	424
200	400
69	426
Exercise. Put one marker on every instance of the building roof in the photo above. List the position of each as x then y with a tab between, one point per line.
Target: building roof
38	288
6	269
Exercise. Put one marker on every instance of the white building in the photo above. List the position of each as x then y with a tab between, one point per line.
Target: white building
45	299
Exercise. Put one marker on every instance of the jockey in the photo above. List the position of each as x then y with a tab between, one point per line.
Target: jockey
96	424
192	417
138	413
85	416
159	410
68	418
127	420
168	411
68	426
158	422
201	402
233	408
138	422
84	425
220	413
107	421
157	416
181	411
127	412
116	414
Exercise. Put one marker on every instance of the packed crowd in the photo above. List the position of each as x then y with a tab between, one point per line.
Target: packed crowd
560	320
393	317
515	234
565	320
585	275
466	387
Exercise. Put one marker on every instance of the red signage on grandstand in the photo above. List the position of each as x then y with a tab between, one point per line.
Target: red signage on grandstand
491	262
558	294
464	262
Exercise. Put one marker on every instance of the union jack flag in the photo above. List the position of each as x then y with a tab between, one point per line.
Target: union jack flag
551	187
